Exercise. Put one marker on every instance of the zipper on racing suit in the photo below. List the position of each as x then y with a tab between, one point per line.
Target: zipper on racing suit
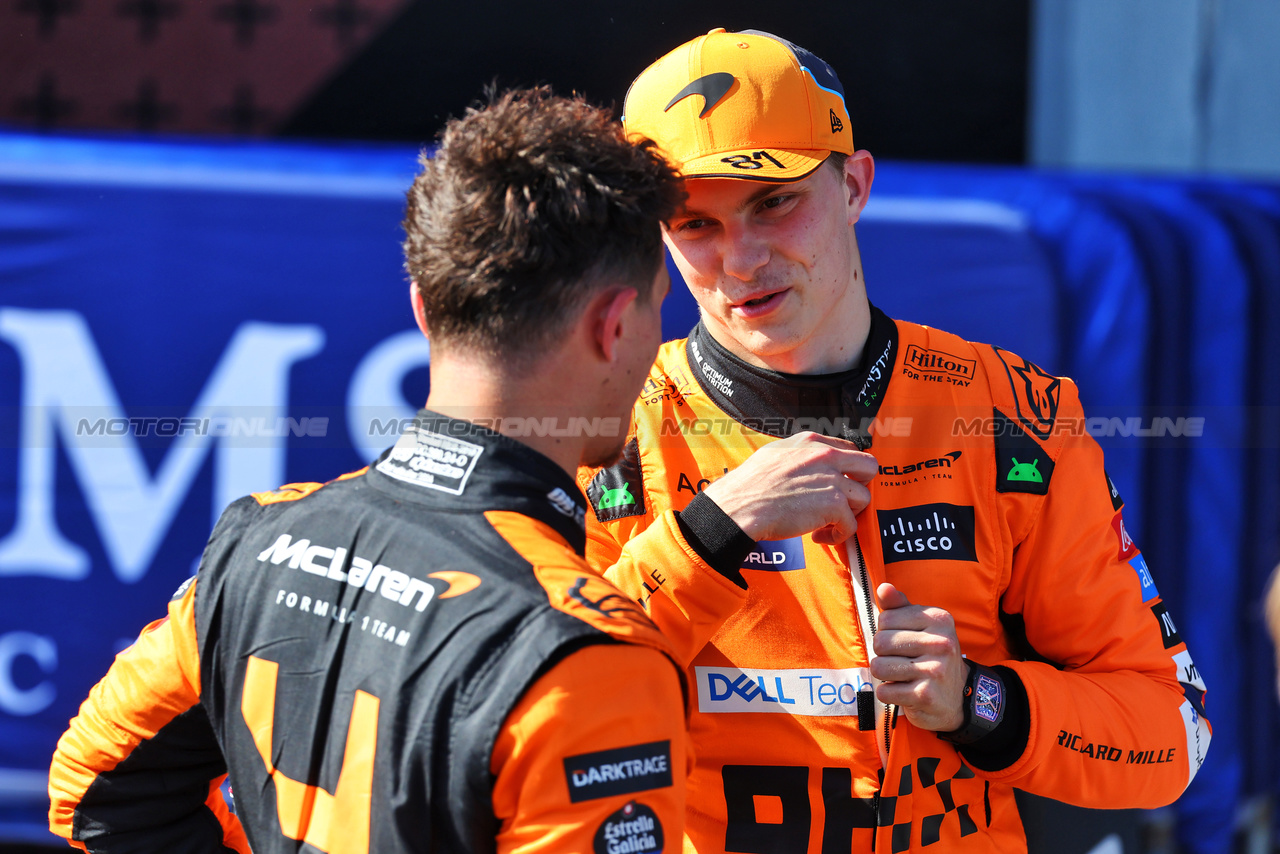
867	619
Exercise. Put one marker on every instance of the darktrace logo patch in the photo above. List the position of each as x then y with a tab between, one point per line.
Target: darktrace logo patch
620	771
634	829
927	532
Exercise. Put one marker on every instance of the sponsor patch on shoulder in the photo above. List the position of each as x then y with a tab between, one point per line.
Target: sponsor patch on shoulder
1149	591
634	829
566	506
1127	546
1022	465
182	589
617	492
1116	501
1168	630
433	461
620	771
1036	394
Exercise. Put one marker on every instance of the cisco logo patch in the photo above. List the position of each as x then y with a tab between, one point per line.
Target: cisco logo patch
927	532
776	555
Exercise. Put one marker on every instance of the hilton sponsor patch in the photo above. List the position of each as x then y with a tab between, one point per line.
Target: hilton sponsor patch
634	829
938	364
620	771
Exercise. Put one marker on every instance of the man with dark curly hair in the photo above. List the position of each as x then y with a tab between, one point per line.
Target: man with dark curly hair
415	657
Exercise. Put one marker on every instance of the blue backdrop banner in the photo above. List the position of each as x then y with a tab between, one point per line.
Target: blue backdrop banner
181	324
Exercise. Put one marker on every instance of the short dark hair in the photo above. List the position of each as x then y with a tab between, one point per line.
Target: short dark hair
837	160
529	205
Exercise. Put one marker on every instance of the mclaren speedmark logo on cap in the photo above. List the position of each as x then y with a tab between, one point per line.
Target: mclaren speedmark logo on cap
712	87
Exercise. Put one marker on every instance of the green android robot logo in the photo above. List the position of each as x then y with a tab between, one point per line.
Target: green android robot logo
617	497
1025	471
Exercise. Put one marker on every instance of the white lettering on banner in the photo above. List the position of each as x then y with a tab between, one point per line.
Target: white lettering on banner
804	693
375	392
64	380
21	702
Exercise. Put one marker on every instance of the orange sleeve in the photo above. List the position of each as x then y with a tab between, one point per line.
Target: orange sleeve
1119	723
140	761
648	559
595	752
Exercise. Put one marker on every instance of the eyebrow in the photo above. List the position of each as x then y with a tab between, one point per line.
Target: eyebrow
765	190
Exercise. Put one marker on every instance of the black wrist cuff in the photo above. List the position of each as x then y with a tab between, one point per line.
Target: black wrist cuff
990	746
715	537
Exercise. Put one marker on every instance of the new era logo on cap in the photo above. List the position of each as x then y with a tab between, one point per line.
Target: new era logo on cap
770	110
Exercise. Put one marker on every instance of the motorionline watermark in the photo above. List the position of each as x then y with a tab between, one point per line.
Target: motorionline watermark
514	426
1098	427
215	426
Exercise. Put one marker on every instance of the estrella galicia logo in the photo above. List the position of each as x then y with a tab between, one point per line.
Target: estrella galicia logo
776	555
634	829
1149	591
927	532
712	87
620	771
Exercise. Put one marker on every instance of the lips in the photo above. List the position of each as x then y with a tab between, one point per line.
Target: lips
760	305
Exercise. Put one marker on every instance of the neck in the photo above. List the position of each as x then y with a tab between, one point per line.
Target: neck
474	390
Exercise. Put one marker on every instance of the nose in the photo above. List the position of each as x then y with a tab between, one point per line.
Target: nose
743	253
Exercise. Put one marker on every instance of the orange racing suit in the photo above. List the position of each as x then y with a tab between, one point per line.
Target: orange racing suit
991	502
411	658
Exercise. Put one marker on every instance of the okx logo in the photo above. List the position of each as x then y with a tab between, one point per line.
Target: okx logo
927	532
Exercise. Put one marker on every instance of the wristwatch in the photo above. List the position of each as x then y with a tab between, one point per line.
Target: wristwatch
984	699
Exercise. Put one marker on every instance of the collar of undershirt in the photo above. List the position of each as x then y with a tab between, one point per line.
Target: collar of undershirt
842	404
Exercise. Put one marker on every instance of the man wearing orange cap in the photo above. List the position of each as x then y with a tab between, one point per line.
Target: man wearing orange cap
802	469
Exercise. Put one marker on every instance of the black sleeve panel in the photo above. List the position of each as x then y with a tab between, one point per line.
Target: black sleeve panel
715	537
148	791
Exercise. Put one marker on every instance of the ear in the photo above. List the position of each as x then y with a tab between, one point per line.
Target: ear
859	172
610	316
419	309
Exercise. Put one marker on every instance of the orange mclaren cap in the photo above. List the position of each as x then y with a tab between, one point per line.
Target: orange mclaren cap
740	105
